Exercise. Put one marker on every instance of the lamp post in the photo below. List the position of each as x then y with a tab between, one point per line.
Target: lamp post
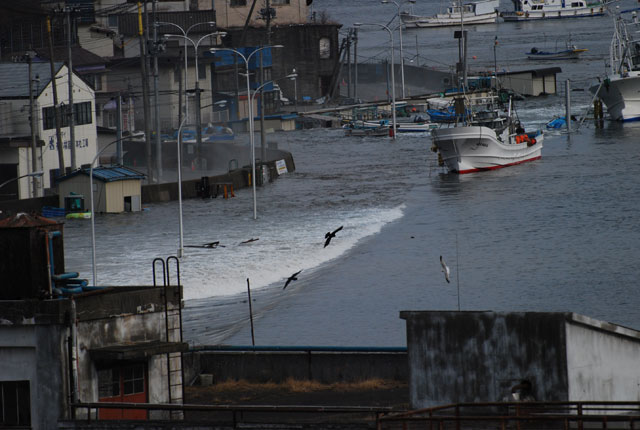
393	79
93	224
250	113
186	34
35	174
196	44
400	31
293	76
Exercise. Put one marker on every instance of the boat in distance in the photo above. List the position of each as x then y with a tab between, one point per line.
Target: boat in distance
619	90
477	12
528	10
571	53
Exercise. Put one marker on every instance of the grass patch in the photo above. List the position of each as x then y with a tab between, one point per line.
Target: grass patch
307	386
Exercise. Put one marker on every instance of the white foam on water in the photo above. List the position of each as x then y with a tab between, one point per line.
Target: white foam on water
284	247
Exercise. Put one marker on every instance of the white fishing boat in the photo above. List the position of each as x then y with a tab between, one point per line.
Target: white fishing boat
477	12
486	141
619	90
527	10
404	127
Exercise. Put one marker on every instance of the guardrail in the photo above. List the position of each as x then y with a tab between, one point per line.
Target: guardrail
241	414
517	415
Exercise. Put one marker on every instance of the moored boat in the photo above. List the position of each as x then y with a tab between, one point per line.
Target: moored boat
619	90
527	10
477	12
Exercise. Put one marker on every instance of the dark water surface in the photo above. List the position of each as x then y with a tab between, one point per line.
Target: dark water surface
558	234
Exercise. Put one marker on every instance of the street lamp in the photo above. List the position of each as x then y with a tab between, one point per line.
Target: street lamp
185	34
249	100
35	174
292	76
197	78
400	31
393	79
93	224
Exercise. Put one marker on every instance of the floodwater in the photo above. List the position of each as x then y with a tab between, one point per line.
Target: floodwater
558	234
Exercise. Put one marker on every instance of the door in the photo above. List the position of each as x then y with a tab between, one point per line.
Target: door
126	383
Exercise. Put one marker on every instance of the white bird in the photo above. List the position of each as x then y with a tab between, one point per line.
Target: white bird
445	269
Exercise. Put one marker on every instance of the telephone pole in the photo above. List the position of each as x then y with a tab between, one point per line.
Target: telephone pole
56	106
145	95
32	122
71	110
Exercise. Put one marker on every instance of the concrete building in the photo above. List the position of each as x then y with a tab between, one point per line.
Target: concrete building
16	151
484	356
62	342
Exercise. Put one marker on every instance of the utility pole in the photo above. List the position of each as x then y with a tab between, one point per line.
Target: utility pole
355	61
155	95
32	122
56	107
145	95
119	152
263	137
349	64
71	110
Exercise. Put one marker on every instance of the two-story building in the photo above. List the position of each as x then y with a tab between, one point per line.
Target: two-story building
17	153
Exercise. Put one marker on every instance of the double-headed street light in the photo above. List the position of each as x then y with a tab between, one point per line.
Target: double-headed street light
196	44
393	79
400	31
246	59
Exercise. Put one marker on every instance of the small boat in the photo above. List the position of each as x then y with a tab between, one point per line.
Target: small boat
404	127
477	12
619	89
528	10
486	141
571	53
367	131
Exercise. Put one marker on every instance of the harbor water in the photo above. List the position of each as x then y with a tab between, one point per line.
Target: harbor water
558	234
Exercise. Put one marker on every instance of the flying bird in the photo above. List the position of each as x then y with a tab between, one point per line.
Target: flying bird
330	235
445	269
291	278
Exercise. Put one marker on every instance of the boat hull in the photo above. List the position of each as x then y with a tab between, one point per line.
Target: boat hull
571	54
476	148
621	95
447	20
555	13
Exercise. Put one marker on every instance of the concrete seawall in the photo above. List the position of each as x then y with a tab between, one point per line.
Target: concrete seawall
238	177
324	365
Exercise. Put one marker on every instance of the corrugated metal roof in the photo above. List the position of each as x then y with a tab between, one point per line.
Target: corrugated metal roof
26	220
14	79
107	174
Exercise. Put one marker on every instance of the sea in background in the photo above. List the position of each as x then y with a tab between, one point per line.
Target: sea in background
558	234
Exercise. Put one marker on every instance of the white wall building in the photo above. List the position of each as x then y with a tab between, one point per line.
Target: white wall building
16	159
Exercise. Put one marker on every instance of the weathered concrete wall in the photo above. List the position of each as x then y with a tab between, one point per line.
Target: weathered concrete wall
318	365
478	356
33	348
602	366
238	177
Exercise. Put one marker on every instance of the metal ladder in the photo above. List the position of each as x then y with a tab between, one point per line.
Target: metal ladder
173	331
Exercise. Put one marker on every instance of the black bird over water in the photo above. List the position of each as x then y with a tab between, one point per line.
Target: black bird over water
330	235
291	278
211	245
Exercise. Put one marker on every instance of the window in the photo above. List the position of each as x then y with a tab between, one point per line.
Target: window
123	383
202	71
325	48
236	3
82	115
113	21
15	403
280	2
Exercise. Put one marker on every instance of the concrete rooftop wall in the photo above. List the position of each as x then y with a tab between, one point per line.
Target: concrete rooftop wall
478	356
